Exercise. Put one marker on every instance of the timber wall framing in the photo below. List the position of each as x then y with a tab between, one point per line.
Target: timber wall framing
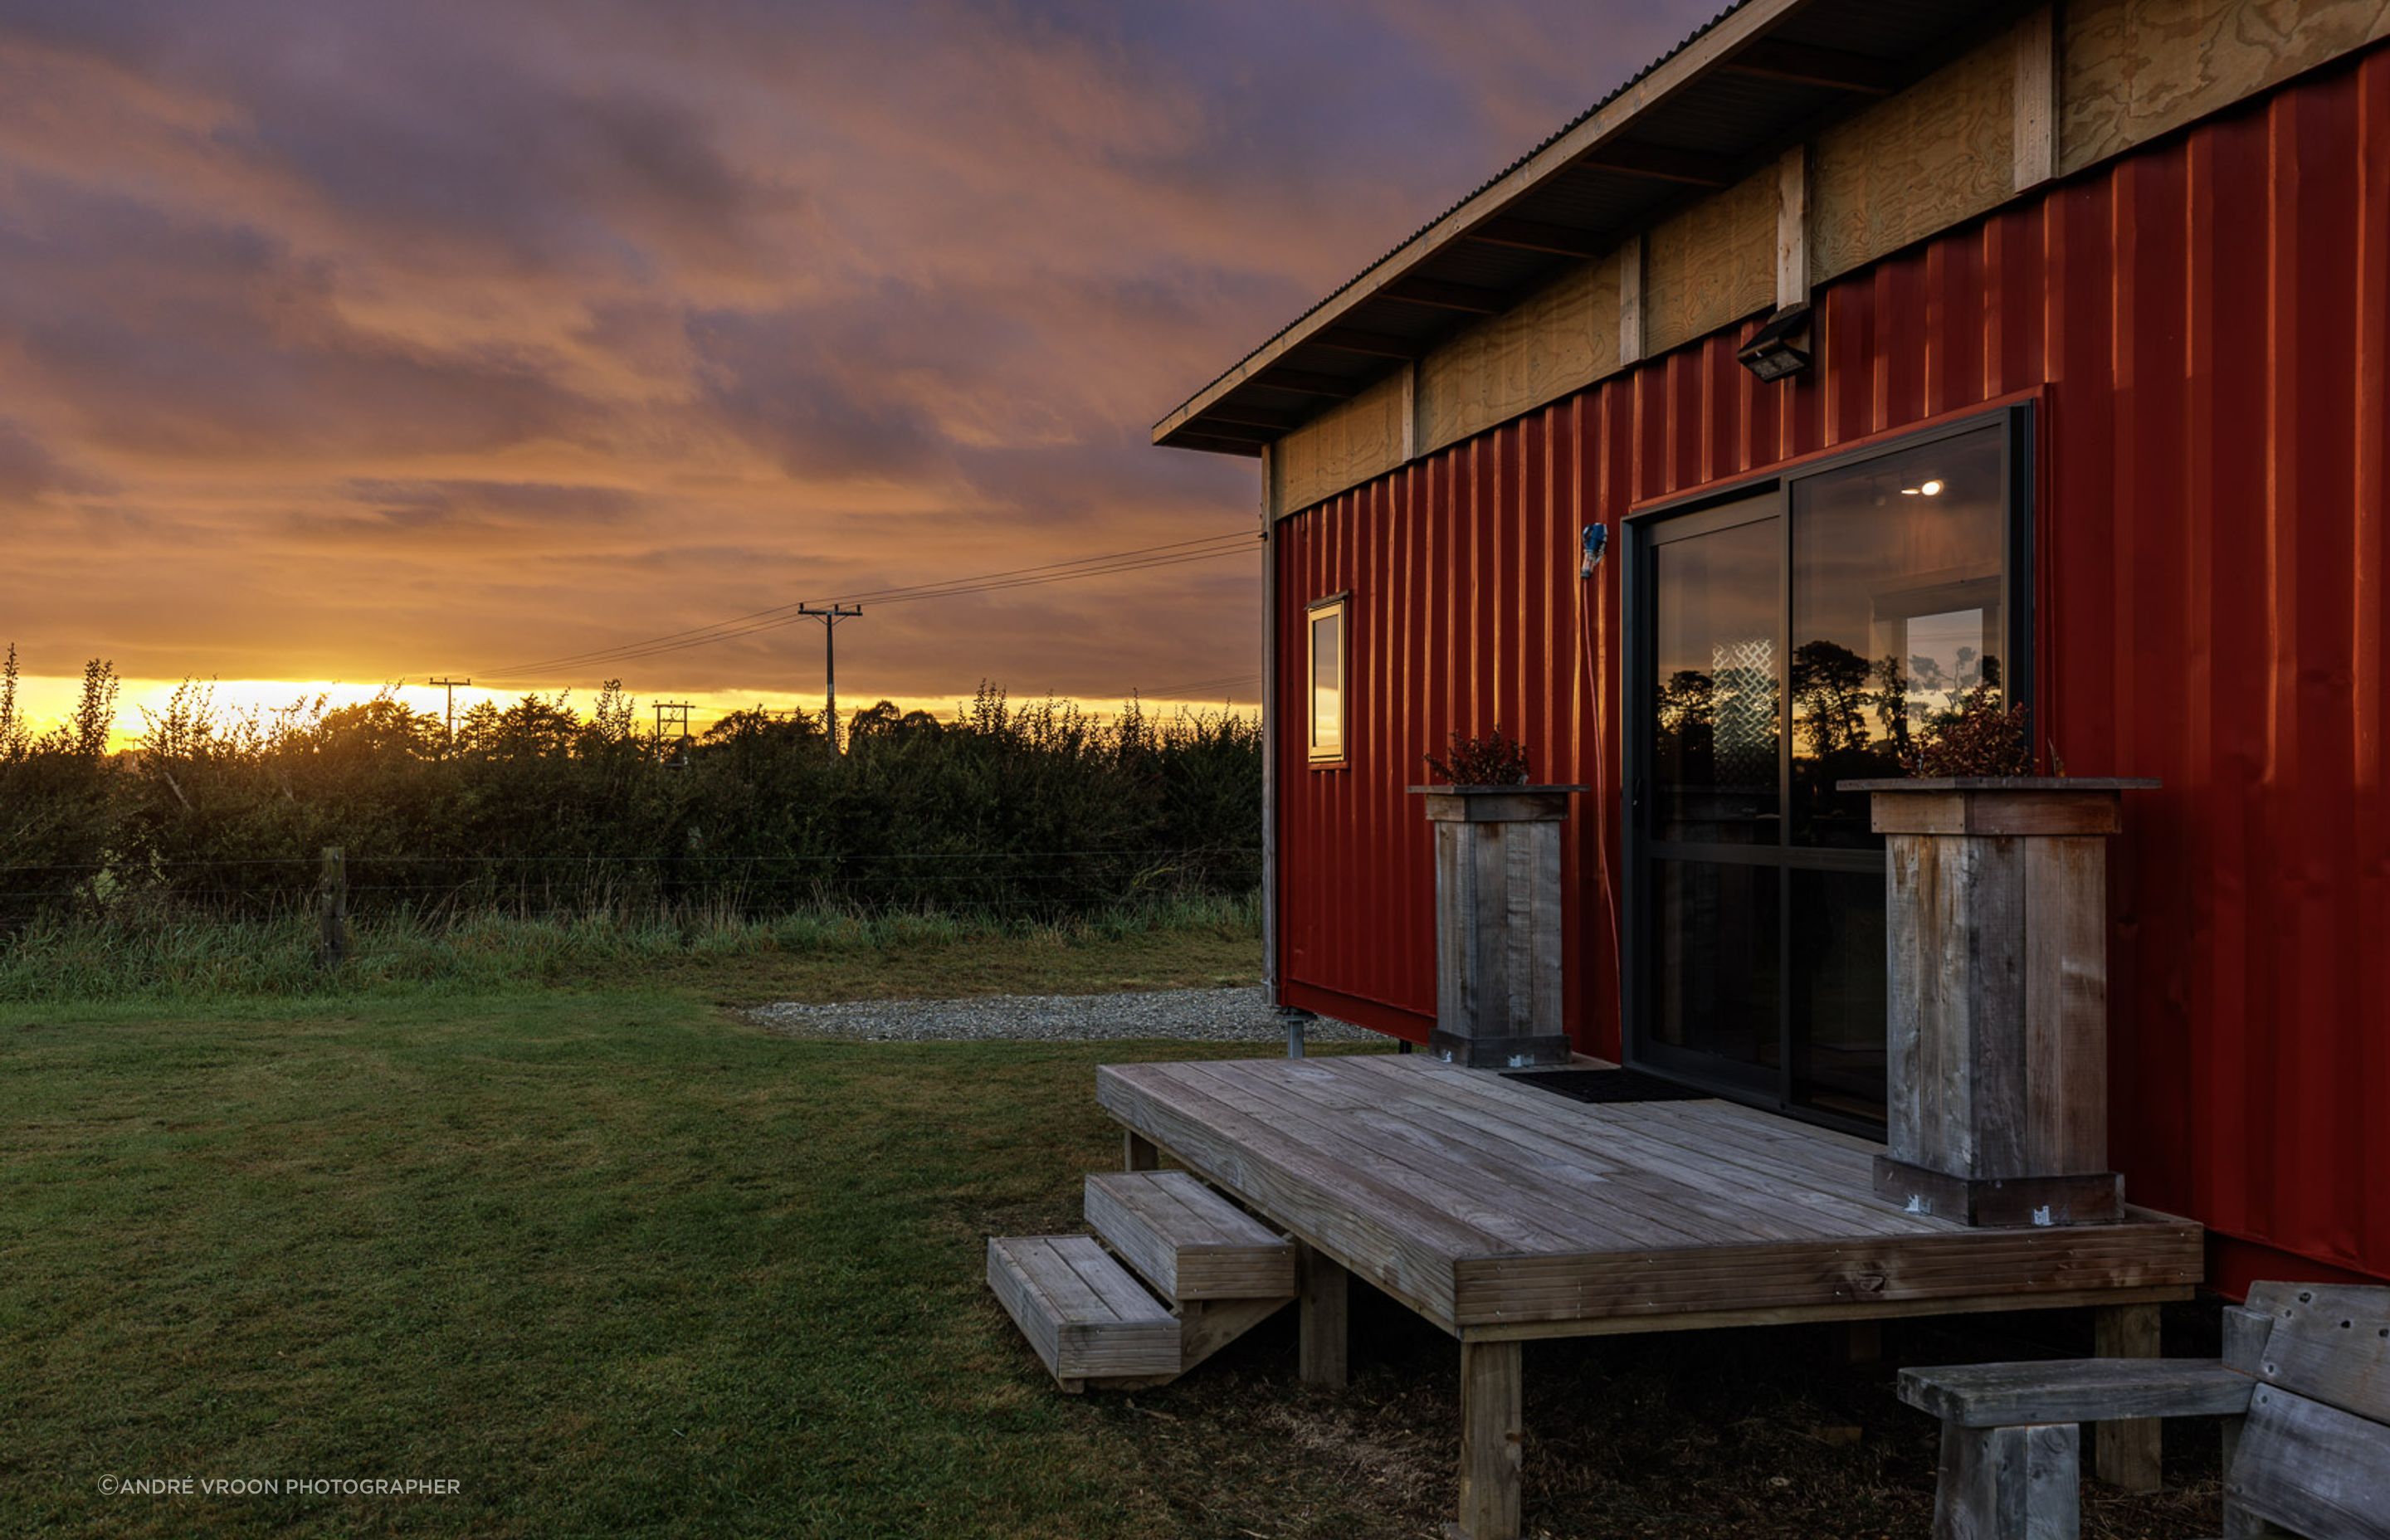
2065	88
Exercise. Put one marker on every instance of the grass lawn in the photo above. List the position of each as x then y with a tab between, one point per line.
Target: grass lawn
619	1264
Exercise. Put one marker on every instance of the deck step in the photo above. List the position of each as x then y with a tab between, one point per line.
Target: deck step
1185	1239
1088	1318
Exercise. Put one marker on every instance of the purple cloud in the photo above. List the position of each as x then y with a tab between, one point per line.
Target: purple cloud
362	340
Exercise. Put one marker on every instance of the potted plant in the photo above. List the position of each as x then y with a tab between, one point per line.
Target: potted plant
1996	1036
1498	906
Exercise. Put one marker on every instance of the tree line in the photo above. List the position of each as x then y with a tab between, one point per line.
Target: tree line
1035	808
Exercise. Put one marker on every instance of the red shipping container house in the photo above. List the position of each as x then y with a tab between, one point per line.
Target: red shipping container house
2090	397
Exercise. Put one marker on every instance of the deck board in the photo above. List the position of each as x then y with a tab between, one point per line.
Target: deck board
1532	1208
1430	1179
1744	1183
1496	1208
1580	1192
1607	1186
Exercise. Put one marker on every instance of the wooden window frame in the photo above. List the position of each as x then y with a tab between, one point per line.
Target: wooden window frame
1340	605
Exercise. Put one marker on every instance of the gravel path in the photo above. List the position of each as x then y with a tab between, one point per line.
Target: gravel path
1198	1015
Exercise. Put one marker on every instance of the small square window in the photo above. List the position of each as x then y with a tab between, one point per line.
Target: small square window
1326	670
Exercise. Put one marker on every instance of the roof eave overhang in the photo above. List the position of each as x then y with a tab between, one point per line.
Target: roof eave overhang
1220	418
1710	51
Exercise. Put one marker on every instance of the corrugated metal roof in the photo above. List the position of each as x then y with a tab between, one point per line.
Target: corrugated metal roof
1555	136
1470	196
1724	108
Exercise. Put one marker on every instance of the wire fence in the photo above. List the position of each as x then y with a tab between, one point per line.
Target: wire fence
1044	882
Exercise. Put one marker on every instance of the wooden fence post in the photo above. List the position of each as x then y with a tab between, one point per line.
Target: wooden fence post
333	903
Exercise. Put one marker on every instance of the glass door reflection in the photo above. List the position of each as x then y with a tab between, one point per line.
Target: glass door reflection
1716	734
1788	641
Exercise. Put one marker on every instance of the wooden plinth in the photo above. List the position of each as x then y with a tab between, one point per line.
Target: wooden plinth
2096	1198
1996	1036
1498	924
1499	1053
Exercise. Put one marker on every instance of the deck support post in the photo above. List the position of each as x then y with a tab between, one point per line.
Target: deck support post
2126	1454
2008	1483
1321	1340
1137	1152
1491	1434
1854	1343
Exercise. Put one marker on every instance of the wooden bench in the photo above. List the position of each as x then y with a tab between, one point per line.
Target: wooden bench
2304	1381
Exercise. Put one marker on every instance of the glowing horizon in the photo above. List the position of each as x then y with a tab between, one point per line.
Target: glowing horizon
45	700
342	341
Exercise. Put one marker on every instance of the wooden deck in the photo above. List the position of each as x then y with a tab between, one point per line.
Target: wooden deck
1499	1211
1503	1212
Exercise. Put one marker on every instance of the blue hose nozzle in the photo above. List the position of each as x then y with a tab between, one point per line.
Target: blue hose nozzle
1597	540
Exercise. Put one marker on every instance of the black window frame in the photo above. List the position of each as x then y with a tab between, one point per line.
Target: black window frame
1644	531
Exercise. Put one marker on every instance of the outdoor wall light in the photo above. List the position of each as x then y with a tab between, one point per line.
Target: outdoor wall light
1779	348
1930	489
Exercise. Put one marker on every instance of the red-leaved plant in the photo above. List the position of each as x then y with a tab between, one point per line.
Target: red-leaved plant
1981	736
1493	759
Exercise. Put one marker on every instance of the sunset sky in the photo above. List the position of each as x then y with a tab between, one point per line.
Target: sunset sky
348	342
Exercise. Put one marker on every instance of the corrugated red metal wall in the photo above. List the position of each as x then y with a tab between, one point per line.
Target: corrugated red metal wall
2206	325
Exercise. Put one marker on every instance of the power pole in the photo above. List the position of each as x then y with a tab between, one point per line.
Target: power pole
677	713
450	685
829	618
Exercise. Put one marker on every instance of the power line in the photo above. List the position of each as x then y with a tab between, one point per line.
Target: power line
1206	548
1064	577
1232	540
1186	687
632	651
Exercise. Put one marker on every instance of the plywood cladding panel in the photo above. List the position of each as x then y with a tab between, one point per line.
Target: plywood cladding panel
1711	264
1345	446
2133	69
1563	336
1946	151
1936	155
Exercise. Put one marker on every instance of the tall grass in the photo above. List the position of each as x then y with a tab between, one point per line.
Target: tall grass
65	958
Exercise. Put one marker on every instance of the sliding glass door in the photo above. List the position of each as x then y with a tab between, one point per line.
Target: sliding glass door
1782	638
1713	802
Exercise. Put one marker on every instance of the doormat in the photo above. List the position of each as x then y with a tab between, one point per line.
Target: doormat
1608	1086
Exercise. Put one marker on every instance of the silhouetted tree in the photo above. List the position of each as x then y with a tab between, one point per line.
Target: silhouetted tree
1829	697
1032	807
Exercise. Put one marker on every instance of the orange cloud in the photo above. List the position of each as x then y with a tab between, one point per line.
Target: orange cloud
347	341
